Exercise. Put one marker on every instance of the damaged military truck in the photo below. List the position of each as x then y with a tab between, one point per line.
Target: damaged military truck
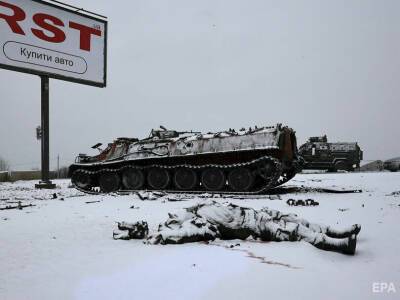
319	154
249	161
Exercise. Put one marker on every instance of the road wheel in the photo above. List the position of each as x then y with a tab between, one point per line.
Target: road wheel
213	179
133	179
185	179
266	169
158	178
240	179
109	182
81	179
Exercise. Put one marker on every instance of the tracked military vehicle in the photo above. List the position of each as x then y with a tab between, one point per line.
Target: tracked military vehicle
247	161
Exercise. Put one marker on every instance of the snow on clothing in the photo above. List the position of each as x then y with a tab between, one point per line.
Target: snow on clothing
211	220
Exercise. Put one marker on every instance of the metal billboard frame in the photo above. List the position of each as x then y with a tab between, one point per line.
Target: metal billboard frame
61	77
46	183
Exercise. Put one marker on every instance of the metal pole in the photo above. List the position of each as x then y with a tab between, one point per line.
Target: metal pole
45	128
45	183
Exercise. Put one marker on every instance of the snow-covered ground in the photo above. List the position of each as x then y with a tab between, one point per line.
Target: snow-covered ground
62	248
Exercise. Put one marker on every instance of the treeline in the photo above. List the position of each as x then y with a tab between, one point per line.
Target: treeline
4	166
61	173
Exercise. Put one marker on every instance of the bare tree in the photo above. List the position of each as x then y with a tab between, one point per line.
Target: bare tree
4	166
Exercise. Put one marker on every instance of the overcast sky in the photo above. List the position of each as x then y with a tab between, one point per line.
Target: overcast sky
320	67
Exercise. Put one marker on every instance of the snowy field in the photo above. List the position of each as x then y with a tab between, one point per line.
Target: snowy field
62	248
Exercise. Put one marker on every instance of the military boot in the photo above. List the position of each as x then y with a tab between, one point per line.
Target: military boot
346	245
340	234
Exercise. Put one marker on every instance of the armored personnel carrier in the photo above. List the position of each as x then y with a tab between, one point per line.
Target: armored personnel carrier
247	161
321	155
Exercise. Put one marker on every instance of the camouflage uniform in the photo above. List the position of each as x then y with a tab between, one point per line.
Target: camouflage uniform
211	220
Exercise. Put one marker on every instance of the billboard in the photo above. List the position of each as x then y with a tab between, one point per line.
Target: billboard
40	38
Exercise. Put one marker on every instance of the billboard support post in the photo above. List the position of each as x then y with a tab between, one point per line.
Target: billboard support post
45	183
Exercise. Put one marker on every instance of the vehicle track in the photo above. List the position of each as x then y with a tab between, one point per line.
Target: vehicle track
273	180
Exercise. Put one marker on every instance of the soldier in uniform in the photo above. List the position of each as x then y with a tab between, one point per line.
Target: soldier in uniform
210	220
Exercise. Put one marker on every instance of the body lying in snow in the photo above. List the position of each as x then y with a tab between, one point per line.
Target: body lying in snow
211	220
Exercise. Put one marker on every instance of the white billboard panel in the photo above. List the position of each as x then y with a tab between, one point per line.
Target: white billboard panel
41	38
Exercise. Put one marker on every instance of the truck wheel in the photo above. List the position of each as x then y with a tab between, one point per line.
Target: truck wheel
185	179
109	182
341	165
158	178
213	179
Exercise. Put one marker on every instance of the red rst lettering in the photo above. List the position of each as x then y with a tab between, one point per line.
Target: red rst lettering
86	34
42	20
19	15
48	23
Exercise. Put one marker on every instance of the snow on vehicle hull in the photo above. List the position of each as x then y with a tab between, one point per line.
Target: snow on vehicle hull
246	161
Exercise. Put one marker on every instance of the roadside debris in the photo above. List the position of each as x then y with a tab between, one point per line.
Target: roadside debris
149	195
307	202
273	194
128	231
305	189
338	191
89	202
11	191
238	197
395	194
343	209
19	206
172	197
175	199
